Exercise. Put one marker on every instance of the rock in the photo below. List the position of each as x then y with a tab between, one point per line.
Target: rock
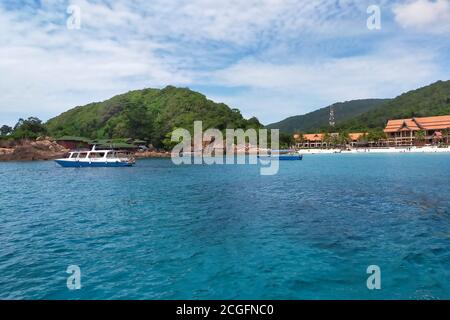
42	149
4	151
152	154
44	139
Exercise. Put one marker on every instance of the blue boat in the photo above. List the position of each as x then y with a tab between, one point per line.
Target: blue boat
290	157
96	159
287	155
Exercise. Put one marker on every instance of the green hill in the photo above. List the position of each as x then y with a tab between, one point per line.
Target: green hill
319	119
432	100
148	114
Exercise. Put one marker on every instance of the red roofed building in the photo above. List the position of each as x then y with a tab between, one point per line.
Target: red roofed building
314	140
355	138
405	131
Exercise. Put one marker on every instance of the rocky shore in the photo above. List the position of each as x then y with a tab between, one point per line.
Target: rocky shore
46	148
152	154
30	150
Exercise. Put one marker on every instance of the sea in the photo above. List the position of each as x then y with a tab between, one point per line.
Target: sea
337	226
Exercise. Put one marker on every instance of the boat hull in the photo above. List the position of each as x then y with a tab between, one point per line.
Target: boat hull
84	164
283	157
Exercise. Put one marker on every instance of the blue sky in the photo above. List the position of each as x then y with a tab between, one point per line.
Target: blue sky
269	58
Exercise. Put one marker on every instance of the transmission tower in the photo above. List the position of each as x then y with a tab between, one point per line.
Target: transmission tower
332	119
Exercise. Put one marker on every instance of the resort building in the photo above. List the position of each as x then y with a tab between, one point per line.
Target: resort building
356	138
74	143
71	142
426	130
317	140
314	140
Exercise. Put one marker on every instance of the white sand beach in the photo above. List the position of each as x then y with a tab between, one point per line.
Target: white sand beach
425	149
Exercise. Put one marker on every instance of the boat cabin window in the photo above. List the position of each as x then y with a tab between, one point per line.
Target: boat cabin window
96	155
111	155
82	155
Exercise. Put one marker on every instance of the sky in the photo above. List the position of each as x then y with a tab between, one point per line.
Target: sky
269	58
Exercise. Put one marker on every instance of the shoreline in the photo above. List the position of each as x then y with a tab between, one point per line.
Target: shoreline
413	149
48	150
31	150
152	155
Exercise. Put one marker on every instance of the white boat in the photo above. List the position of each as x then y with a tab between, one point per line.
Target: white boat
97	158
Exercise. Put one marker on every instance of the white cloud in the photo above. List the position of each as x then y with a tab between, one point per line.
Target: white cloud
424	15
46	68
123	45
292	54
303	86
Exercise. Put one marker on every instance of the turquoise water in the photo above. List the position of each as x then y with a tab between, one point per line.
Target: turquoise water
157	231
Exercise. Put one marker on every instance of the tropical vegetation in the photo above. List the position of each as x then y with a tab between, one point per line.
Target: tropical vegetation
30	128
319	120
149	115
432	100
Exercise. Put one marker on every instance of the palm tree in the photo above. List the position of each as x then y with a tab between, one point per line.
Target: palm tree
326	138
420	136
445	134
298	137
344	138
375	136
362	139
334	140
